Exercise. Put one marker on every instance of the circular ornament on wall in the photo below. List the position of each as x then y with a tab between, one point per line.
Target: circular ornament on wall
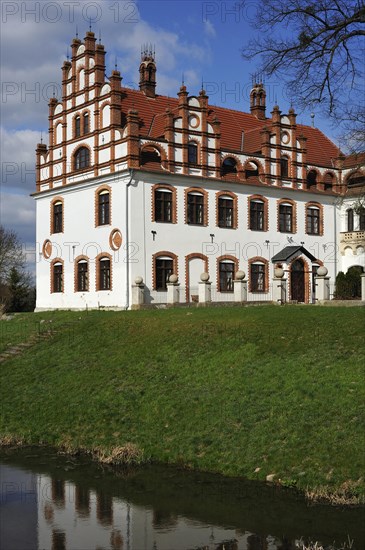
115	239
194	121
285	138
47	249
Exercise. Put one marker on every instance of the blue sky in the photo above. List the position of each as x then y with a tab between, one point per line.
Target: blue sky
202	40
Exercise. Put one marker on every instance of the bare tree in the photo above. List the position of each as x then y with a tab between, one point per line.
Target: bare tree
11	253
318	47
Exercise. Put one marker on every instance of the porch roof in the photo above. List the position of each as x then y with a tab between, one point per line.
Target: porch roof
289	251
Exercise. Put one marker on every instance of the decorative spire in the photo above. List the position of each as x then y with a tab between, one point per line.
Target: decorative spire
41	136
89	24
99	36
77	32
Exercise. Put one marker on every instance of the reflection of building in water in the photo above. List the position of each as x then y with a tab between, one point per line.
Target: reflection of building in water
82	501
58	540
104	508
71	516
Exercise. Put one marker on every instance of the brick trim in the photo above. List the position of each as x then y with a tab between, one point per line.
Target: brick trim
52	204
189	257
233	196
174	201
256	260
318	179
294	214
73	154
205	203
219	260
306	278
76	261
198	152
239	168
321	222
175	266
53	262
159	148
266	211
101	121
101	188
99	257
253	160
57	124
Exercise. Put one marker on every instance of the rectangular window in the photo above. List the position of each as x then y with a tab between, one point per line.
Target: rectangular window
86	124
195	209
284	167
57	277
164	268
257	215
257	277
163	206
226	276
57	217
313	221
286	218
82	278
104	209
77	126
225	212
362	219
192	153
104	266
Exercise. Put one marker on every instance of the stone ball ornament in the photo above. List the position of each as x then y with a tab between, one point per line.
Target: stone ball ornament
173	278
138	280
240	275
204	277
279	272
322	271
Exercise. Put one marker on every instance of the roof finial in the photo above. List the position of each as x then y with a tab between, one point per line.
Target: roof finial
68	54
77	32
116	63
202	83
99	36
90	24
182	79
312	117
41	136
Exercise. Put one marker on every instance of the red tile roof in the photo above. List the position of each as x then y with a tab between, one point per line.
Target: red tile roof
152	112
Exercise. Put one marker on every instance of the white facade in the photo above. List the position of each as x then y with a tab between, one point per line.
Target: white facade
134	184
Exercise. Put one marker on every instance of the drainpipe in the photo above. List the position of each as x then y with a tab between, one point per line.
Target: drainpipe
127	235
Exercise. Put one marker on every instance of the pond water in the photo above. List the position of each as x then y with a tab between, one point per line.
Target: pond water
55	502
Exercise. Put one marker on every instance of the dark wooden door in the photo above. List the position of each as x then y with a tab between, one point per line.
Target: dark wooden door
297	281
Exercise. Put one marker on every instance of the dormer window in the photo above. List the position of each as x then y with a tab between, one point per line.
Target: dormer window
229	166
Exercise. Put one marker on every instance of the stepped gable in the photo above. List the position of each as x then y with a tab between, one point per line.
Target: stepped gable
152	112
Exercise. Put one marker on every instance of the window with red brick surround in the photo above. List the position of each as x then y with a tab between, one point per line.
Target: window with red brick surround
287	216
81	274
196	206
57	215
226	210
258	213
161	271
103	205
227	266
104	271
258	274
57	275
163	208
314	218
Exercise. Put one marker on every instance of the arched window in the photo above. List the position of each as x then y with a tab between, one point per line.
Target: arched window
86	123
311	179
77	126
103	273
225	211
229	166
328	181
192	153
82	158
257	277
103	207
226	275
57	282
285	218
164	267
195	208
356	179
313	220
151	158
82	276
284	167
350	219
163	205
251	170
57	217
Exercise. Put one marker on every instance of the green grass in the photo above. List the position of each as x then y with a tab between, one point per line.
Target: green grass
227	390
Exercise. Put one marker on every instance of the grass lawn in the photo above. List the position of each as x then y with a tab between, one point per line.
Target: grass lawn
247	391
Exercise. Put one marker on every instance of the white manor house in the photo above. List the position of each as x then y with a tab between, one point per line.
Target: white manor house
140	197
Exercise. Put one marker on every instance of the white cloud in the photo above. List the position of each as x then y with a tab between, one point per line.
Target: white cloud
18	159
209	29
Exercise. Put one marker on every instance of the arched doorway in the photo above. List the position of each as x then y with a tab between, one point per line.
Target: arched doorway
297	281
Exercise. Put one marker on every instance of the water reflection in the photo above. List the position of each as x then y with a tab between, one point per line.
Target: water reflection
72	505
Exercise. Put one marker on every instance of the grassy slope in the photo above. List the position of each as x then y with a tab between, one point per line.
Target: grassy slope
223	389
